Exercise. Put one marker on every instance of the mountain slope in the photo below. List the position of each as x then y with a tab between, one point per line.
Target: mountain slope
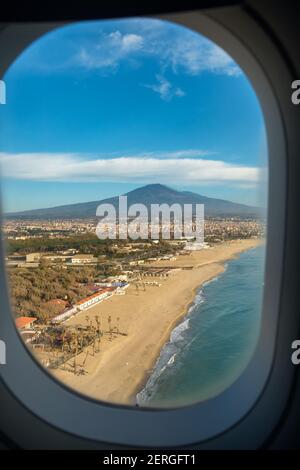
147	195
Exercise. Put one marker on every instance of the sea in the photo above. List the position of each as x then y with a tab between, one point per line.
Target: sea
213	344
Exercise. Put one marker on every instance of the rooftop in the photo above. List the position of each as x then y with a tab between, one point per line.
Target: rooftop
97	294
21	322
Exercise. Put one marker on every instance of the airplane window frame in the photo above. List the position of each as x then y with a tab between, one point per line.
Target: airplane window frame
77	414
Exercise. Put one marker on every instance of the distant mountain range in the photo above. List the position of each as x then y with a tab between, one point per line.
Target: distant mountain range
147	195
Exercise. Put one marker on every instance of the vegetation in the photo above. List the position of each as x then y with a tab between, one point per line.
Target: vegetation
31	290
84	243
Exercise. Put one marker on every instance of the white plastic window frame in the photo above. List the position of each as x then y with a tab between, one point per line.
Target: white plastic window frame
76	414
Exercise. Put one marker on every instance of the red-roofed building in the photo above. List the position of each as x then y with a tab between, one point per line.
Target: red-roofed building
93	287
60	302
94	298
57	305
25	323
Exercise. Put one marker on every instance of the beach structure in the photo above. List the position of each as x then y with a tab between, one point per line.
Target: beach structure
195	246
64	315
87	302
95	298
64	257
25	327
159	272
33	257
25	323
83	259
59	305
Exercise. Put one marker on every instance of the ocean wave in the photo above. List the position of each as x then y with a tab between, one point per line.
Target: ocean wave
172	359
216	278
211	329
169	352
176	334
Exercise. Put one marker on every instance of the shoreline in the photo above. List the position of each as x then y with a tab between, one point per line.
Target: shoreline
124	365
183	317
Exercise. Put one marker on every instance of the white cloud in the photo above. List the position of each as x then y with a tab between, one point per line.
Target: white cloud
140	169
179	92
122	42
109	51
174	48
196	55
132	42
165	89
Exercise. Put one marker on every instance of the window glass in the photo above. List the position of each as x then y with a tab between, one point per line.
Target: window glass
151	299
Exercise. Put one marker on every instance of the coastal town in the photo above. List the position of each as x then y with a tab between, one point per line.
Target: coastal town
70	290
216	229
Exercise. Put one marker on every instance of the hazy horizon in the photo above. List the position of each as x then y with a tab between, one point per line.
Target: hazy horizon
117	195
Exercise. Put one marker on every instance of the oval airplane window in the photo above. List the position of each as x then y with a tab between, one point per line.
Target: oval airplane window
134	177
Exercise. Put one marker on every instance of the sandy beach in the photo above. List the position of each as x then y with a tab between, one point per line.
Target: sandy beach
123	364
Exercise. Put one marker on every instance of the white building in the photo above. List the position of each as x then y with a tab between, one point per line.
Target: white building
93	299
193	246
83	259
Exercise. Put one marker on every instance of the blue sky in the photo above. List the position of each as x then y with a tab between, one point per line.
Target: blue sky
99	108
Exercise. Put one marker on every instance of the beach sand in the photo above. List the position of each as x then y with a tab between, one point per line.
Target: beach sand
122	366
